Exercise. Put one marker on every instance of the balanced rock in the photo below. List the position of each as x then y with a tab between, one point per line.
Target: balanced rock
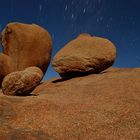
22	82
84	55
27	45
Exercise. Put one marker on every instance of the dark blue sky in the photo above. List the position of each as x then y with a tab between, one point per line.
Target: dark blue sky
117	20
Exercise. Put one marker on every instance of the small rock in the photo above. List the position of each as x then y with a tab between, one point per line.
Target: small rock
84	55
22	82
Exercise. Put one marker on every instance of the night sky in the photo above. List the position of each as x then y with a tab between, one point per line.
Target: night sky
117	20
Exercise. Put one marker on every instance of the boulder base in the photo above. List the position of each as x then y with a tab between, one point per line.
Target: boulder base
105	106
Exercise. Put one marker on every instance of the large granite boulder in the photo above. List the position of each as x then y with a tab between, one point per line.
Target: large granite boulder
95	107
22	82
84	55
24	45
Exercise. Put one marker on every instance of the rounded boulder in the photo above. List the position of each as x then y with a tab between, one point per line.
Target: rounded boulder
27	45
84	55
22	82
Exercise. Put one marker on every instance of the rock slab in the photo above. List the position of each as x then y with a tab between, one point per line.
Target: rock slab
102	106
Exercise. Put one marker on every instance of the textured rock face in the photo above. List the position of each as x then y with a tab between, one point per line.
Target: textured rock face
27	45
84	55
6	66
22	82
102	106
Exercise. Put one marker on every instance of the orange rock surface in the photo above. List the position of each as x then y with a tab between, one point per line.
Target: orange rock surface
103	106
5	66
